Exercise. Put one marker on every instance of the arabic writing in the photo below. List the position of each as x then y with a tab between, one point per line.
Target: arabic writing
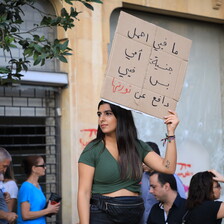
157	82
146	67
155	62
133	54
119	87
126	71
160	46
161	100
135	34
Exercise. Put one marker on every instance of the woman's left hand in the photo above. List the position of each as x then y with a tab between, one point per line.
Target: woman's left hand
218	177
171	122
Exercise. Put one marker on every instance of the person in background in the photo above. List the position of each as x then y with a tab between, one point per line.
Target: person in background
5	215
11	187
148	197
31	200
201	206
217	190
171	207
217	193
110	167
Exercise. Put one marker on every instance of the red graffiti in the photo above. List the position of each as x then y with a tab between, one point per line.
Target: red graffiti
184	165
88	135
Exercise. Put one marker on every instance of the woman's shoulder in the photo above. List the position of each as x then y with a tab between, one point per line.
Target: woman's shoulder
26	185
10	183
143	145
93	145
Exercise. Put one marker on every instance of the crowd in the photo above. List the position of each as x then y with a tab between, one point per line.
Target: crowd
28	205
121	180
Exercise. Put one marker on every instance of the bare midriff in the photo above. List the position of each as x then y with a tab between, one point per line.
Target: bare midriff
121	192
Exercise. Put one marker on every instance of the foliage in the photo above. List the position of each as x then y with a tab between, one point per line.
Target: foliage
37	47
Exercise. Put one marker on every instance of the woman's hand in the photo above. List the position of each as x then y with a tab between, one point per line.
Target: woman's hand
171	122
53	208
218	177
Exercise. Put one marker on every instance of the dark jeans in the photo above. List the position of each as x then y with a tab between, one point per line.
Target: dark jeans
112	210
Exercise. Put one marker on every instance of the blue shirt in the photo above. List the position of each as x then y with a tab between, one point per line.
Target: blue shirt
149	199
33	195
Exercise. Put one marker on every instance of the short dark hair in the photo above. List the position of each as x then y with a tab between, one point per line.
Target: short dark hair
164	178
154	146
29	162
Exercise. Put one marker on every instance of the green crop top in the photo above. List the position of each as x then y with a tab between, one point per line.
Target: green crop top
107	175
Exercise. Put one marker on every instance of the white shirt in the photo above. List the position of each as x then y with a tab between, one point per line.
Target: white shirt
11	187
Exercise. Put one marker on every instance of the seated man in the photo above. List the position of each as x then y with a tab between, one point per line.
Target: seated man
171	207
149	199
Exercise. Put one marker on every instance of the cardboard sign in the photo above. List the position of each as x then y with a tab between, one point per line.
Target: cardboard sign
146	67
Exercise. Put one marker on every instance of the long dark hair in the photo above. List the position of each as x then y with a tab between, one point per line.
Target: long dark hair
201	189
9	173
126	135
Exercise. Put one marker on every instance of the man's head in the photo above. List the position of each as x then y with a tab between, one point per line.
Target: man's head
5	159
161	185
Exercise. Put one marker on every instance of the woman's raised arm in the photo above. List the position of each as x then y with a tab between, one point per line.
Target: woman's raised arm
167	164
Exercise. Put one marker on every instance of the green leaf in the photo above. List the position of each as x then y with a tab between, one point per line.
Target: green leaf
96	1
42	62
88	6
64	12
38	48
37	61
69	2
63	59
4	70
28	52
64	45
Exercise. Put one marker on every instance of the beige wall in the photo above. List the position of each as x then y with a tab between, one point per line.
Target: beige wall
86	68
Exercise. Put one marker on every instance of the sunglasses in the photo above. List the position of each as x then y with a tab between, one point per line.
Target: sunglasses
43	165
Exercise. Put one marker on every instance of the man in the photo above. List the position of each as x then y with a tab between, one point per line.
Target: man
171	207
5	216
149	199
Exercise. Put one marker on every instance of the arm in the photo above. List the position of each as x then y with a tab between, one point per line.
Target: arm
86	174
27	214
167	164
12	204
9	216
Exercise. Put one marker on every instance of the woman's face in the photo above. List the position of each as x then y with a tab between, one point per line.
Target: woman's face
216	190
106	119
40	168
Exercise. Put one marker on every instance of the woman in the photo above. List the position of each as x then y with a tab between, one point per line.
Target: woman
11	187
110	167
31	200
201	207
